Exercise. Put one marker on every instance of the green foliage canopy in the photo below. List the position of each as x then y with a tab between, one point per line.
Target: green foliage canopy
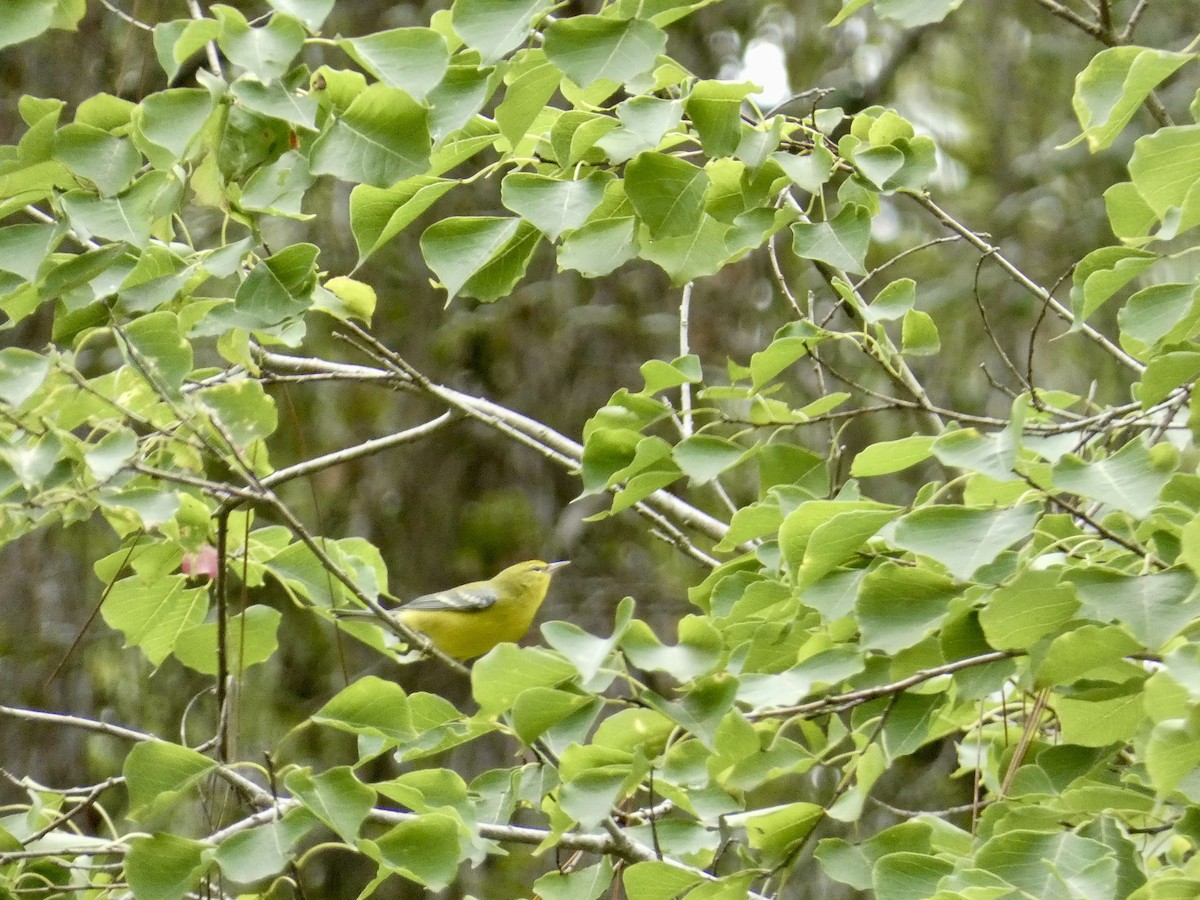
1032	606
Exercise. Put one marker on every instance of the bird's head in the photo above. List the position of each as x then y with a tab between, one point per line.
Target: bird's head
533	574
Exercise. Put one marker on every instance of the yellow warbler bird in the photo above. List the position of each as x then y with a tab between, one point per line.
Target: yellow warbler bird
469	620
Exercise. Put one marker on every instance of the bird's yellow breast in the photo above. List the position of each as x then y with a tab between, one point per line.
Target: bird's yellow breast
465	635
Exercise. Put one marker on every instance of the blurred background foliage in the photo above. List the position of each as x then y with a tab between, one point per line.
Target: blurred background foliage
991	84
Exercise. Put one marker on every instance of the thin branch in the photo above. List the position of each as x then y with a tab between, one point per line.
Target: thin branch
48	718
987	327
1095	29
528	431
214	59
913	813
884	266
685	389
1024	280
121	14
1126	35
1097	526
1027	733
1103	31
848	700
366	448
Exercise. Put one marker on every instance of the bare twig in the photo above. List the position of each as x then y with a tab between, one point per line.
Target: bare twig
848	700
685	389
1023	280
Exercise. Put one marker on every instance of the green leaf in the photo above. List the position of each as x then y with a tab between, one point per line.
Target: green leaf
379	214
1129	215
130	216
494	27
24	247
649	118
962	539
251	639
1072	655
167	124
1153	313
841	242
311	12
371	707
715	108
655	880
279	287
412	59
381	138
1130	480
335	797
264	850
1113	87
911	724
266	51
1153	607
175	42
499	677
878	164
886	457
164	866
820	671
840	539
111	453
919	334
1031	606
696	653
703	457
774	831
424	849
1165	169
479	256
588	883
801	524
26	19
1101	274
553	205
667	193
660	375
790	343
538	709
594	48
279	189
531	83
898	606
22	372
1100	721
153	612
687	257
587	652
1166	372
108	161
246	412
909	876
892	302
994	455
910	13
156	772
346	298
1037	862
810	171
1172	754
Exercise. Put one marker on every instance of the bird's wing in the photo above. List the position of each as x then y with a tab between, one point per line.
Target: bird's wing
469	598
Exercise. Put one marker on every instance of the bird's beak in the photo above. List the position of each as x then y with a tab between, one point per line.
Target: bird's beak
555	566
